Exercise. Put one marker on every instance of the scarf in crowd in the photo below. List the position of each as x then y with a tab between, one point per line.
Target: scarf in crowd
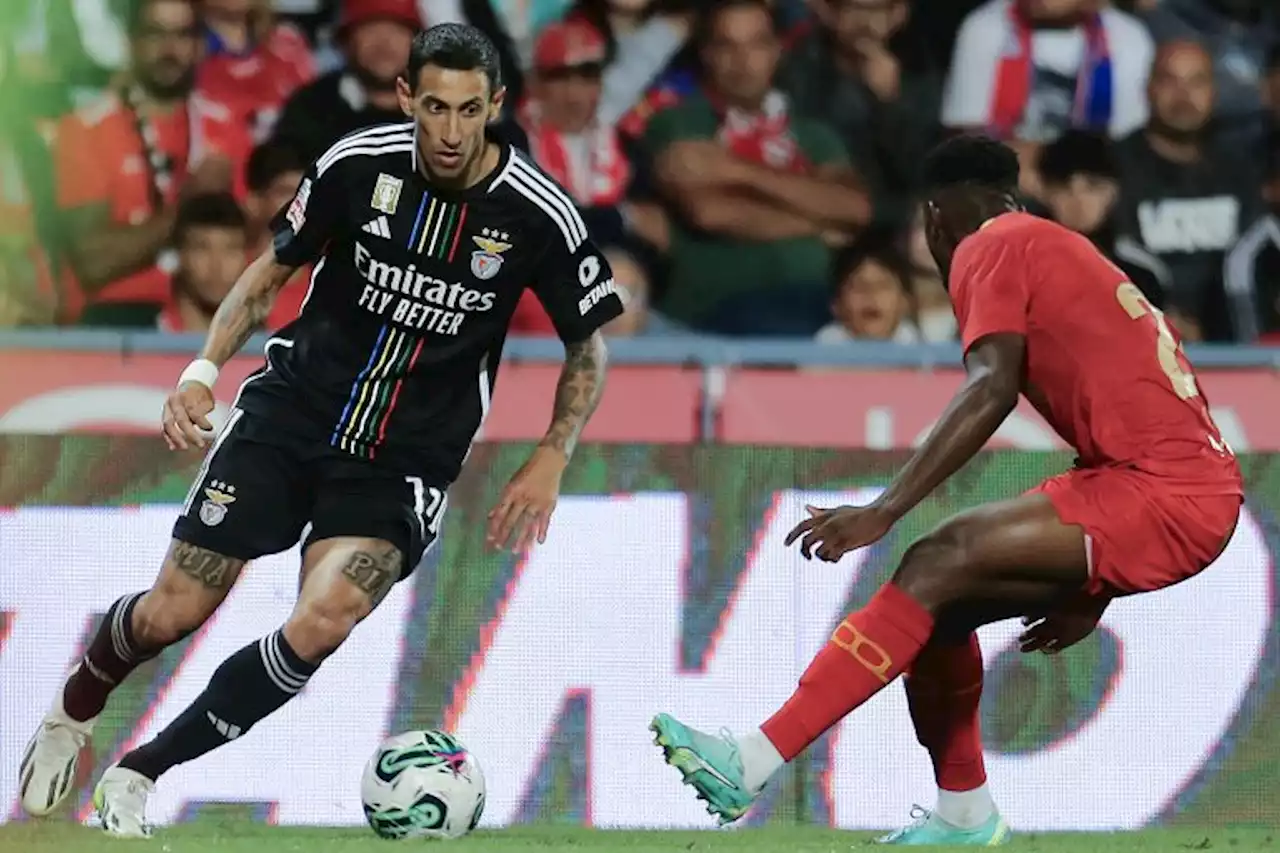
604	176
1016	71
762	137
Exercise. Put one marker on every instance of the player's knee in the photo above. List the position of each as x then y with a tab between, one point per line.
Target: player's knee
937	569
317	628
164	616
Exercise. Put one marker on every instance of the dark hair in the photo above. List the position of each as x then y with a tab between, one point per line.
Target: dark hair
458	47
874	246
704	27
211	210
270	160
1076	152
971	160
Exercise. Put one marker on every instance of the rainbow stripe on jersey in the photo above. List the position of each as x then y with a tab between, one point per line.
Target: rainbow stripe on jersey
437	230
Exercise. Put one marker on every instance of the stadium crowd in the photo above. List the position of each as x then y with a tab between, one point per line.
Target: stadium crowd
750	165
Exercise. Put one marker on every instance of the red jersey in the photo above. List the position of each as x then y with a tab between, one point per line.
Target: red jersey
254	86
1102	365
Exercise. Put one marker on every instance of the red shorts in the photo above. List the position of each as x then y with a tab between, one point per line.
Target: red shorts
1139	537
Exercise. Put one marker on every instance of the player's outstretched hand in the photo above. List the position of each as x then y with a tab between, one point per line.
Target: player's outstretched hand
524	509
186	412
1062	628
836	532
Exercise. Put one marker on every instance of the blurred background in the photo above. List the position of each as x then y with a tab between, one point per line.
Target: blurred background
749	165
751	168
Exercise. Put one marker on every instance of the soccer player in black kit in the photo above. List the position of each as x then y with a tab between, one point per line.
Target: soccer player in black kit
425	234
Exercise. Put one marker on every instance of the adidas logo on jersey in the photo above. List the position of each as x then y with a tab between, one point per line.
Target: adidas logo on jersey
378	227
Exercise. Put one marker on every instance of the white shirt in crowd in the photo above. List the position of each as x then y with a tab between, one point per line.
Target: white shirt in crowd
987	34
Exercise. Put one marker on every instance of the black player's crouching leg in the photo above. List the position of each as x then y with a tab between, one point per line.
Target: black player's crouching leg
343	580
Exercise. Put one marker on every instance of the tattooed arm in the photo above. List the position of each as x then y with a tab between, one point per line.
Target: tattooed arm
245	307
523	512
186	411
577	393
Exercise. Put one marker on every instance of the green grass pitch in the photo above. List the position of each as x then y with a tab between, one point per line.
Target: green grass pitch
245	837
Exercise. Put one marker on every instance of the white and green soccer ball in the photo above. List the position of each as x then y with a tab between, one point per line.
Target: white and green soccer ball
422	785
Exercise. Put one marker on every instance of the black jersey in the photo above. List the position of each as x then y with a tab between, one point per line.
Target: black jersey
395	353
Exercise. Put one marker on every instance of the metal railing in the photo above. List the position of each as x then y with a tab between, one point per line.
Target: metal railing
689	350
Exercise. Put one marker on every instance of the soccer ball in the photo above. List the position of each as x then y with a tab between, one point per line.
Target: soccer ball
422	785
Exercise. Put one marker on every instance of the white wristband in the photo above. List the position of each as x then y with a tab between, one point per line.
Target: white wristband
201	370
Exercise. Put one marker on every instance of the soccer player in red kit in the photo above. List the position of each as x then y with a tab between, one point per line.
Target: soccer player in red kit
1152	501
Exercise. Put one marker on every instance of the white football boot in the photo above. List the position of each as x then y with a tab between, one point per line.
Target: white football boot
121	801
47	774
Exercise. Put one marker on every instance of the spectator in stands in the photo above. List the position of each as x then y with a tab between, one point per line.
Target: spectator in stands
375	35
1179	199
123	162
211	240
755	189
1239	35
1081	189
878	87
560	118
583	154
1026	70
252	63
1252	270
935	317
869	298
273	173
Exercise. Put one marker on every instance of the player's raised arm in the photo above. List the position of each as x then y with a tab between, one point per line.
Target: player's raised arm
245	308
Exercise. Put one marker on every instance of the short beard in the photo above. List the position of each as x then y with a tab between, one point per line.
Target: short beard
176	90
1178	135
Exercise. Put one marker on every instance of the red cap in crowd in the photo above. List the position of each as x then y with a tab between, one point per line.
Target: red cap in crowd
567	44
356	12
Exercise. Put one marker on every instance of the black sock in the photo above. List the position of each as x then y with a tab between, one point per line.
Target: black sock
113	653
249	685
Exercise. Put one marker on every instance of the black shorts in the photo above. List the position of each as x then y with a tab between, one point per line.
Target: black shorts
255	497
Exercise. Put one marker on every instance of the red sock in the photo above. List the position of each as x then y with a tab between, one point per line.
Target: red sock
944	690
868	650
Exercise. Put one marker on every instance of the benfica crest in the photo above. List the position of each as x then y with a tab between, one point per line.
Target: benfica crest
486	261
219	496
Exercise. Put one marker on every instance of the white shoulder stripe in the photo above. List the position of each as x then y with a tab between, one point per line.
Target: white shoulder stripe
361	142
370	150
373	135
556	214
369	133
555	194
564	215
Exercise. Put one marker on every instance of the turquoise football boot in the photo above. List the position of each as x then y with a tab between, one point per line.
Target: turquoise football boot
709	763
929	829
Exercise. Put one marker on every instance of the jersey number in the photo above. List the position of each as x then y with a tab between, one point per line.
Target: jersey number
428	504
1168	350
1169	353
